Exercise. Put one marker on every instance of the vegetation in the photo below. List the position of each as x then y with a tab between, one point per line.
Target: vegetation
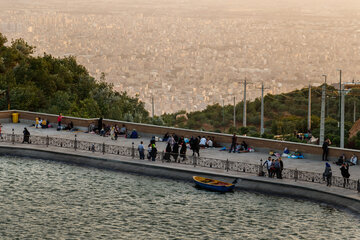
284	114
59	85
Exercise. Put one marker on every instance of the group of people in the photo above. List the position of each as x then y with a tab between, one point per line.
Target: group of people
237	148
113	131
342	160
152	150
327	175
174	144
274	167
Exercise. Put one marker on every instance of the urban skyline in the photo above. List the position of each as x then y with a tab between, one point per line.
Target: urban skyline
189	55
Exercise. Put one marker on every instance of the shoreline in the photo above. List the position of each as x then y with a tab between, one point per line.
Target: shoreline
336	197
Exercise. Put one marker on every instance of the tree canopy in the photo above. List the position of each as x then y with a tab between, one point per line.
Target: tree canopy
59	85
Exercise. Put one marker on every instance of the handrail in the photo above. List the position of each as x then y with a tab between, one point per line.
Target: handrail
206	162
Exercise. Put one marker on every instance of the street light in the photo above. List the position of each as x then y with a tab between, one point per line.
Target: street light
325	76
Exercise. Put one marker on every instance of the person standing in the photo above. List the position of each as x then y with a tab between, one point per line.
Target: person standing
325	148
233	143
327	174
281	167
26	136
175	151
141	150
267	163
60	117
345	173
183	151
153	151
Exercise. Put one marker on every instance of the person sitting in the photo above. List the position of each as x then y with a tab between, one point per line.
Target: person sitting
123	130
40	123
36	122
166	137
286	151
134	134
297	153
92	128
353	160
209	143
341	160
44	124
202	142
243	146
69	126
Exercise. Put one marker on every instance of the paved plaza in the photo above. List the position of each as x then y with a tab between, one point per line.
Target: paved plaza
311	165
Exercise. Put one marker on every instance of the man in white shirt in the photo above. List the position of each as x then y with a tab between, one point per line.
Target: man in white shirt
209	143
353	159
202	142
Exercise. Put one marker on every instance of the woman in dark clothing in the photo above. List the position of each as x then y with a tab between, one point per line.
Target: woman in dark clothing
26	136
183	151
175	151
167	152
345	173
327	174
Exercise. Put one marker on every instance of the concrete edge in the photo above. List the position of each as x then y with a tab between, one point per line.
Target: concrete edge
248	183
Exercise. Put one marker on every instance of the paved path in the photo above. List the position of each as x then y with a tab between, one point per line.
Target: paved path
311	165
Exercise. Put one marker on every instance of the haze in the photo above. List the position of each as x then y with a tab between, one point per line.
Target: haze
188	54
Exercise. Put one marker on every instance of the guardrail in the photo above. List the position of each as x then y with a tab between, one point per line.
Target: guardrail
226	165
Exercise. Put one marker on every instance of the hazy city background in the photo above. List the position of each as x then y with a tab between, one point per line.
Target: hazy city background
189	54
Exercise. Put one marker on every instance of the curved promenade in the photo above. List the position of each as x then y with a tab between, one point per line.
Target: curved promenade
337	197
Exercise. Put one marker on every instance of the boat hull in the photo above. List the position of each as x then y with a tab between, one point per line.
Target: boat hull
213	185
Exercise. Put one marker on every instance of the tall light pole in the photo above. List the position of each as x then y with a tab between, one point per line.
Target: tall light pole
234	113
340	72
152	106
342	119
309	109
262	109
322	117
244	112
223	112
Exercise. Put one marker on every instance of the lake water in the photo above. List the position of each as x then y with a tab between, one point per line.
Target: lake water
49	200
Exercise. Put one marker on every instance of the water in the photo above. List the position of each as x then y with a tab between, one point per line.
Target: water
49	200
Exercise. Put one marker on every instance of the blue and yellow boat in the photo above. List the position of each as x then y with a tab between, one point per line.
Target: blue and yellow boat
213	185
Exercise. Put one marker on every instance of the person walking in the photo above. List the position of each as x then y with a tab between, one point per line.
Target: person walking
325	148
345	173
141	150
233	143
327	174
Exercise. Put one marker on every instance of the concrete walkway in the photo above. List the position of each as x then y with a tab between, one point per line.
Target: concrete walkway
310	165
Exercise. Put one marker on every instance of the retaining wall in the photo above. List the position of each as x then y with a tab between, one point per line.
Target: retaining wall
260	144
257	184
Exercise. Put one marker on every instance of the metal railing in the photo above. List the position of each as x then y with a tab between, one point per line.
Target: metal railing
206	162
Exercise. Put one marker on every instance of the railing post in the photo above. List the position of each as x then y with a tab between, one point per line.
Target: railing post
358	185
132	151
75	143
296	174
13	137
194	160
47	140
93	147
103	148
227	165
260	168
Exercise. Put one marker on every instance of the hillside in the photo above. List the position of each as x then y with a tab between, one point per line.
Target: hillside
59	85
284	114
